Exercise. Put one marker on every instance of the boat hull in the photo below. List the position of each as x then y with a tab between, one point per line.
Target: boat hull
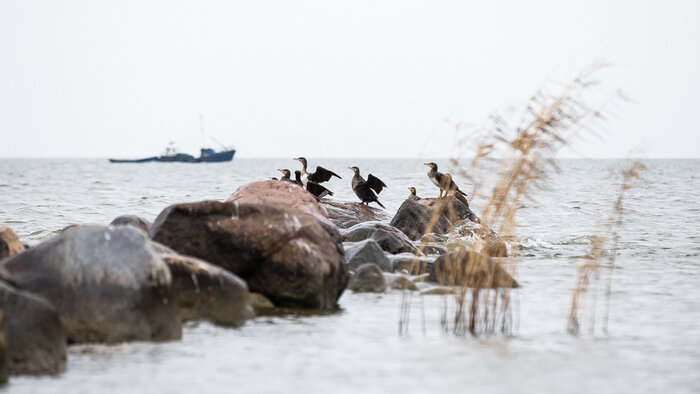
209	157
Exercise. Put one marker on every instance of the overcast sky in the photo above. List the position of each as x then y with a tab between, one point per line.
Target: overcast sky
329	78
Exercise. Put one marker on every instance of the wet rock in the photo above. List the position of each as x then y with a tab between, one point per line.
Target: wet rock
259	301
368	279
347	214
284	193
367	251
492	244
399	282
36	339
414	220
388	238
131	220
471	269
412	264
3	351
433	238
9	244
439	291
205	291
433	249
106	283
280	251
453	209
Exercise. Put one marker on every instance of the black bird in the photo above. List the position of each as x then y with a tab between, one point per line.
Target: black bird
321	174
413	195
446	184
314	188
365	189
297	178
287	175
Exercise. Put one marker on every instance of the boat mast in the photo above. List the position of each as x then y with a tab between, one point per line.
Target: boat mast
201	128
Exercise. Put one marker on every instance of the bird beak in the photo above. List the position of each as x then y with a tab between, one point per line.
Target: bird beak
426	164
282	171
350	168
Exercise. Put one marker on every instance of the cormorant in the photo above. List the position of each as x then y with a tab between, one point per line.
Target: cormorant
365	189
445	183
413	195
286	176
321	174
314	188
297	178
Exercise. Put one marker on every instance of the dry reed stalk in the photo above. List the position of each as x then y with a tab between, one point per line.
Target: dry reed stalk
589	271
527	154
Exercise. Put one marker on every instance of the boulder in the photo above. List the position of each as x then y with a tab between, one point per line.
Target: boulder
347	214
389	238
412	264
131	220
3	351
36	339
367	251
453	209
205	291
281	252
414	220
107	284
284	193
464	268
9	244
492	244
368	279
433	238
399	282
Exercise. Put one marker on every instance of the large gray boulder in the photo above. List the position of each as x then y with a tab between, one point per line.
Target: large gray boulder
281	252
418	217
367	251
131	220
346	214
36	339
205	291
415	220
389	238
368	279
9	243
107	284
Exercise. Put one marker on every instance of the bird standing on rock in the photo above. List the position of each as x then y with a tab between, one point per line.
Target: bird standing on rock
314	188
365	189
321	174
413	195
445	183
287	175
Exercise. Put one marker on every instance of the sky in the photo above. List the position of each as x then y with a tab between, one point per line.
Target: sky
334	78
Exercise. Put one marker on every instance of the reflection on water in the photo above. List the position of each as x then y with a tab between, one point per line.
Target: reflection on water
654	341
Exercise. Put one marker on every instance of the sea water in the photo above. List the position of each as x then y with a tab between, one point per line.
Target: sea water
653	340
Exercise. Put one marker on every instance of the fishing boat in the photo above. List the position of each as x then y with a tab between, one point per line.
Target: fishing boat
171	154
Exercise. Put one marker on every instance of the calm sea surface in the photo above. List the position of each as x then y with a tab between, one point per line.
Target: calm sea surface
653	343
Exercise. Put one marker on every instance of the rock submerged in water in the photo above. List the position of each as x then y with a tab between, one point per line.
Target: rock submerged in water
9	243
367	251
131	220
35	337
205	291
471	269
368	279
106	283
347	214
281	252
388	238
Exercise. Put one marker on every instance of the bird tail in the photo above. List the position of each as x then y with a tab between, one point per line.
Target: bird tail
380	204
461	198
